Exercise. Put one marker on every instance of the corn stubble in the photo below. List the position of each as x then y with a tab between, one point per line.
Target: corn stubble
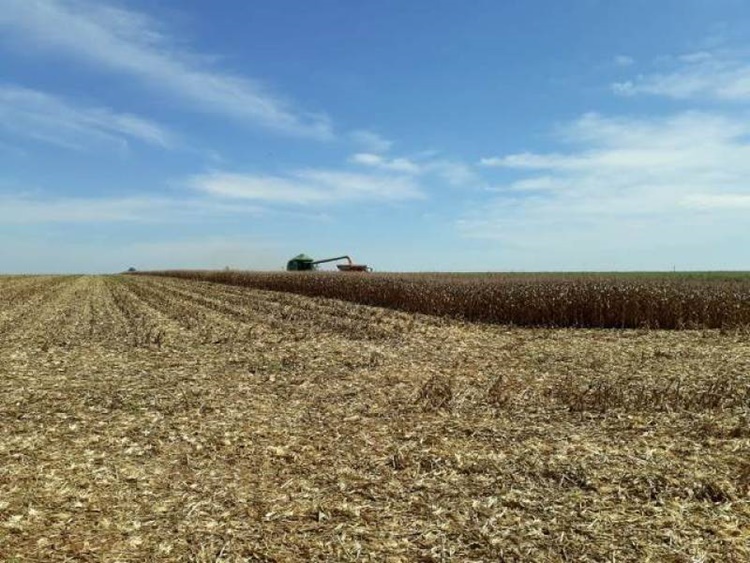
159	419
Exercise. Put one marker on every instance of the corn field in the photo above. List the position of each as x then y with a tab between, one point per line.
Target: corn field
522	300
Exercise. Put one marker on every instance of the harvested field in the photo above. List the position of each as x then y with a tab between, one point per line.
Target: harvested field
159	419
664	301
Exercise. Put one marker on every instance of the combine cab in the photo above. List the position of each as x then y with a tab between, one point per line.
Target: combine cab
303	263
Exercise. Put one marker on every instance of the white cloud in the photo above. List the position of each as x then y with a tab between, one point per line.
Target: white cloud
535	184
370	141
306	187
696	57
24	210
689	142
626	185
525	160
393	164
624	60
453	172
700	75
40	116
718	201
133	44
367	159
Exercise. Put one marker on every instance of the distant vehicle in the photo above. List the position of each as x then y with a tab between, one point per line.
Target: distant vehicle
303	263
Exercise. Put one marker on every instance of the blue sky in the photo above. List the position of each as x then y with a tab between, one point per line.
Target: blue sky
440	135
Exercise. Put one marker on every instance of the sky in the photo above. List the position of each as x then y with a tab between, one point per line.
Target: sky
441	135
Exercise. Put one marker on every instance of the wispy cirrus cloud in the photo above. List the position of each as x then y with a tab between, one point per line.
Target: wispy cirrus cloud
732	201
623	60
393	164
452	172
133	44
633	190
40	116
646	161
308	187
370	141
455	173
672	146
721	76
624	184
22	209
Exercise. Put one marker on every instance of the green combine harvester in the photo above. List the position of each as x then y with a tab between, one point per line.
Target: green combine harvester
303	263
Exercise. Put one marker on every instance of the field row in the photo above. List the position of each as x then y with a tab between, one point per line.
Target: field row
667	302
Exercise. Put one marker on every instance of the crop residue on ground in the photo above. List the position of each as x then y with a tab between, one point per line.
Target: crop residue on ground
157	419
